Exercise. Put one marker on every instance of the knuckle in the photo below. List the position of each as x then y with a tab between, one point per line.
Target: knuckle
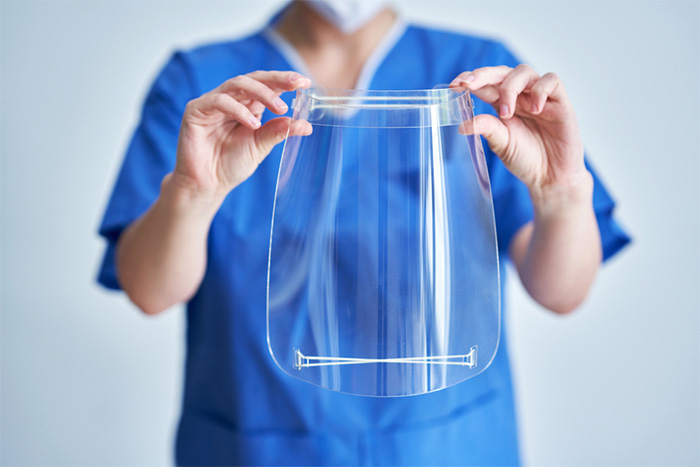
246	79
524	67
507	89
538	99
195	103
234	82
539	86
241	80
481	73
257	75
220	100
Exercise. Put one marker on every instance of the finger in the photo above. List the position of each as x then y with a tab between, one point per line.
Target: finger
270	134
281	81
224	104
548	85
493	130
256	108
492	95
466	127
481	77
276	130
515	83
462	79
300	128
245	86
489	94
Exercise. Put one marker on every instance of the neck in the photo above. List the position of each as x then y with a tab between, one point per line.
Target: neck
334	58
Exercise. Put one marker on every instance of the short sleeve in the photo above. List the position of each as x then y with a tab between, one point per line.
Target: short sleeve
511	199
150	156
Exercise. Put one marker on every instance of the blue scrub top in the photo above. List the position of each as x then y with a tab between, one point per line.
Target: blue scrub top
239	408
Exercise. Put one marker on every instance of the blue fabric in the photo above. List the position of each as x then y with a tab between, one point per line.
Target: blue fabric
238	407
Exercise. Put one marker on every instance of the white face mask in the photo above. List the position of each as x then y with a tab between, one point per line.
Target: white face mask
348	15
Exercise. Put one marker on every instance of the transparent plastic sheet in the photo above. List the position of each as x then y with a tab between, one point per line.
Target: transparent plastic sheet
383	275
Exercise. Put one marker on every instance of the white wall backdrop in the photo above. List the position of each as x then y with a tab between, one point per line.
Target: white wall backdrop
87	380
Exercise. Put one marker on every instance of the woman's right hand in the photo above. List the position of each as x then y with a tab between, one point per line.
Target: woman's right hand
221	141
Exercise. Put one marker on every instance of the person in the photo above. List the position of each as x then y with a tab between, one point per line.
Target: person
189	220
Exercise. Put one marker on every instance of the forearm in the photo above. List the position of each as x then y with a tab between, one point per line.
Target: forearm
559	253
161	258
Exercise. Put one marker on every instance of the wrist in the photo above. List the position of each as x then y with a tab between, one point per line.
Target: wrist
563	200
179	196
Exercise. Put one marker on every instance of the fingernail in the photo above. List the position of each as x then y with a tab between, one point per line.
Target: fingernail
470	77
534	108
254	121
279	103
504	111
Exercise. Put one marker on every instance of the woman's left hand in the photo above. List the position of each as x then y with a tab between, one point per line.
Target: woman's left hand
536	136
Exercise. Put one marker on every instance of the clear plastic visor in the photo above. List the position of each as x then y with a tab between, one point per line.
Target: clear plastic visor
383	268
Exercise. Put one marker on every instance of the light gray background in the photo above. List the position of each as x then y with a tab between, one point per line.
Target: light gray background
87	380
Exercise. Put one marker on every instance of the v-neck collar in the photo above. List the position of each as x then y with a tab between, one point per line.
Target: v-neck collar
369	69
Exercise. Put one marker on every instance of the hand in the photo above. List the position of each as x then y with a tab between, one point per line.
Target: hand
221	141
537	136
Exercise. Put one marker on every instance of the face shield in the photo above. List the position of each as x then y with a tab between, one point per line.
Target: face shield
383	275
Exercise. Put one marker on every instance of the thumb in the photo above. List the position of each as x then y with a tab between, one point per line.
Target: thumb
495	132
276	130
271	134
